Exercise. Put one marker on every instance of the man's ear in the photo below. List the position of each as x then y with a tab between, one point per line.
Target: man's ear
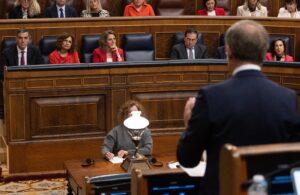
228	52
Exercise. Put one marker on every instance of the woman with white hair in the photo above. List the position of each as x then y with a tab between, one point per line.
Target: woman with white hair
252	8
94	9
25	9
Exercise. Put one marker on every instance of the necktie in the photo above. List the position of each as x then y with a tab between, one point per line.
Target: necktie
61	13
190	54
22	61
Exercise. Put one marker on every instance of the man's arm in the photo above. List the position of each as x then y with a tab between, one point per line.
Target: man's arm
194	139
174	53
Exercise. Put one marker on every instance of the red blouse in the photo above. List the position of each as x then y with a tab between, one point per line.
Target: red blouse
99	55
287	58
56	58
219	12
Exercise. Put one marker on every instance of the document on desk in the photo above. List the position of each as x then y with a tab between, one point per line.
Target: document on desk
116	160
197	171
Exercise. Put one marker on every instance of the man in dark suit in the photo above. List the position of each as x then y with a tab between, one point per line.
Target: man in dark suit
246	109
22	53
60	10
190	49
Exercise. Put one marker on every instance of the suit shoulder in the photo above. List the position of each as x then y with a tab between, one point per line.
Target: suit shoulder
178	45
9	50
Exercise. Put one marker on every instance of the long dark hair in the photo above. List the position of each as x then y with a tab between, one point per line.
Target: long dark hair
272	46
204	3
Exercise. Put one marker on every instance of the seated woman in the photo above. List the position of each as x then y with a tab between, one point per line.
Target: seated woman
211	9
108	50
65	52
25	9
94	9
277	52
138	8
118	141
289	10
252	8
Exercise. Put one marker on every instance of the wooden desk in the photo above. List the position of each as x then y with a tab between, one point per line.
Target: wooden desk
76	173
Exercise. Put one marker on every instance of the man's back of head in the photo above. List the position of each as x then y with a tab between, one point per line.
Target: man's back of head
247	41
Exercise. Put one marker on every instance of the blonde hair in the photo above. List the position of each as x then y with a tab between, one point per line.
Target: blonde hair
34	7
88	8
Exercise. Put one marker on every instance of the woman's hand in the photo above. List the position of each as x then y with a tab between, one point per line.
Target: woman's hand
114	49
122	153
109	155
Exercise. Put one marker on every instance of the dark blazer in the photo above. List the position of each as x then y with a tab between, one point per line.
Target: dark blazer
221	54
9	57
16	12
247	109
179	51
51	12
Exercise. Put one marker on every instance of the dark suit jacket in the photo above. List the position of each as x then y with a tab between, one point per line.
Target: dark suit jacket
16	12
247	109
221	54
179	51
51	12
9	57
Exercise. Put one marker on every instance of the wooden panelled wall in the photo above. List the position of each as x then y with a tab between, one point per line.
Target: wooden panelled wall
162	29
57	113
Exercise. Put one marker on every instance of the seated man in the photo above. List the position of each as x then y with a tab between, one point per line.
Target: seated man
60	10
138	8
22	53
189	49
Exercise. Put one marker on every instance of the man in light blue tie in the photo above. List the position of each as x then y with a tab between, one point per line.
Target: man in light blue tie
60	10
189	48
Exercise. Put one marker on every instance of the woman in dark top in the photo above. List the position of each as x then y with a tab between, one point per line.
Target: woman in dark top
210	9
118	141
25	9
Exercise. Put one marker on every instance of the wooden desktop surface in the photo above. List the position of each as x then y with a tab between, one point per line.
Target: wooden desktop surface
76	173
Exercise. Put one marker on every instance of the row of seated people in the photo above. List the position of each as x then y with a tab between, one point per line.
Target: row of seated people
31	9
96	48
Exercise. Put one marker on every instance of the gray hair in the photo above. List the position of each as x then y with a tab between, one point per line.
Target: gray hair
248	41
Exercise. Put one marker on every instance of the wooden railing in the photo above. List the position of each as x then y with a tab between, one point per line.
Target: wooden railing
56	113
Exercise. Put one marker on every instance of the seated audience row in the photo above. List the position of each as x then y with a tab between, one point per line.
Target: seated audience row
24	53
31	9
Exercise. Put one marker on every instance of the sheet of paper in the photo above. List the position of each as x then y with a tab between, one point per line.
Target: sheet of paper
116	160
173	165
197	171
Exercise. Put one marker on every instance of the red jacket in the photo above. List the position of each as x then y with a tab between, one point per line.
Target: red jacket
287	58
99	55
219	12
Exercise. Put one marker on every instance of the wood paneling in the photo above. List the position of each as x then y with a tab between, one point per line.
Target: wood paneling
49	120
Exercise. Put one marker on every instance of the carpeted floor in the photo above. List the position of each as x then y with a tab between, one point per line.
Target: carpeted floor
35	187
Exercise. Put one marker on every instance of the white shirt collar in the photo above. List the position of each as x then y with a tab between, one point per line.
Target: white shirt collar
63	8
246	67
